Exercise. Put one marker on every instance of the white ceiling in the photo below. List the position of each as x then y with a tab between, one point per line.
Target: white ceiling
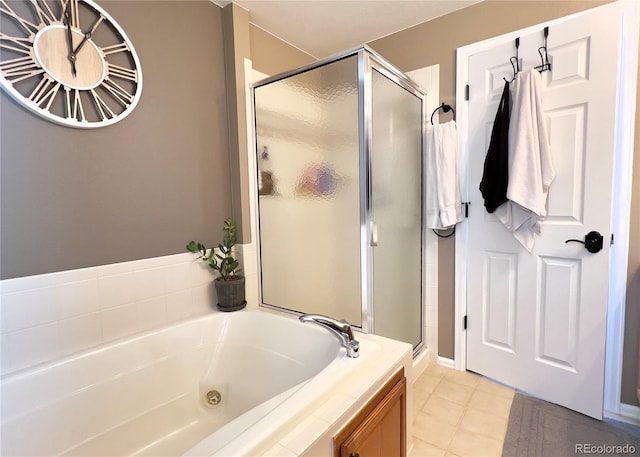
326	27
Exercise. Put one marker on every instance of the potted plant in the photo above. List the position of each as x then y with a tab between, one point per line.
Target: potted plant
230	284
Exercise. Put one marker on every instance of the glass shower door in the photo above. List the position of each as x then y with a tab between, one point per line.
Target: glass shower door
396	209
309	191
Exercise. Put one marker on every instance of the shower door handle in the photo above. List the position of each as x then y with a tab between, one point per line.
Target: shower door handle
374	234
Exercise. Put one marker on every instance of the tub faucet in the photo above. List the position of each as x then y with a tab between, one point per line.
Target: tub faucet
341	329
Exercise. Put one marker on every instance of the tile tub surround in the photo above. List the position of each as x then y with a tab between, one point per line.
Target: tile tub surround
143	395
314	426
147	412
46	317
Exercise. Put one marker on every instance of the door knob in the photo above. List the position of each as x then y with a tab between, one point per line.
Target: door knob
592	242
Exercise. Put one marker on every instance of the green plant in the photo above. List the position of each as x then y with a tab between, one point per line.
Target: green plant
221	259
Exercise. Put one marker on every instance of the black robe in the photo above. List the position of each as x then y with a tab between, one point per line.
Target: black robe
495	177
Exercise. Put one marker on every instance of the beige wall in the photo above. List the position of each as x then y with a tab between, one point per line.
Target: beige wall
435	42
271	56
141	188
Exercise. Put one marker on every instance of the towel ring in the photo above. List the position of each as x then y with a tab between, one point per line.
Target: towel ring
442	233
446	109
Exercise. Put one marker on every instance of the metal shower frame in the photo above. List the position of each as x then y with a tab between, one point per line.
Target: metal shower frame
368	61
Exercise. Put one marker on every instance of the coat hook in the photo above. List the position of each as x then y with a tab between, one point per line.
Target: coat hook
516	65
544	59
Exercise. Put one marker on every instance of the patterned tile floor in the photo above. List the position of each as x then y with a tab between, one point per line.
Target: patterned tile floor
458	414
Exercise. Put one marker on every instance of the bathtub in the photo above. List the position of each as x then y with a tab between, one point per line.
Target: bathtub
189	389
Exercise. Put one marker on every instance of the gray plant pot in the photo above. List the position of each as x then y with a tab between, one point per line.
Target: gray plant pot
231	296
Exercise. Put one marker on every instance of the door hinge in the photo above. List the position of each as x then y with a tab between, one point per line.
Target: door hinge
466	208
464	322
611	243
466	92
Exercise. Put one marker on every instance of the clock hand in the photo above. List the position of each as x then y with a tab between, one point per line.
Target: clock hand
88	35
72	55
84	40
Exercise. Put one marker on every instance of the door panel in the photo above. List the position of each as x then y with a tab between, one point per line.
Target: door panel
538	321
498	304
558	312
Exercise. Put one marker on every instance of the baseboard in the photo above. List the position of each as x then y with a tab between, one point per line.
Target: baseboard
627	413
445	362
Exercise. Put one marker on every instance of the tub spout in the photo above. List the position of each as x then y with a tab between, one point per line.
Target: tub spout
341	329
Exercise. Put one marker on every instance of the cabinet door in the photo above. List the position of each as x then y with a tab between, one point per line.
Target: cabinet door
382	432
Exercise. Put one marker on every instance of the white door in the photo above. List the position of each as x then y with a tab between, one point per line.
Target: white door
537	321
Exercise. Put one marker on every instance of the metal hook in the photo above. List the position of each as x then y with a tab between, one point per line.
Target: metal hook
516	65
544	60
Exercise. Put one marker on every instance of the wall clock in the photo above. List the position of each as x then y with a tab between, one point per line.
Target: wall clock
68	61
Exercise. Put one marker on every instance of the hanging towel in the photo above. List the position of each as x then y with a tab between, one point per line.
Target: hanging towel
530	168
444	206
495	177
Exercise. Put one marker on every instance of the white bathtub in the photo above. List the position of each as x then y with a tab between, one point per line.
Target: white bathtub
144	395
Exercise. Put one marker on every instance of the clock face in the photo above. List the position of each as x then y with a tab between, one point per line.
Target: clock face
68	61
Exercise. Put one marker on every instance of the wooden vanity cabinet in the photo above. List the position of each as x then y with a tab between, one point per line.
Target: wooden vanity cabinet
378	429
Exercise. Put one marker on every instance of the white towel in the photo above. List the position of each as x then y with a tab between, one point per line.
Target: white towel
444	208
530	166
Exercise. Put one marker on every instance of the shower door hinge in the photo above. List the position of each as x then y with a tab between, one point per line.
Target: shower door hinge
466	92
464	322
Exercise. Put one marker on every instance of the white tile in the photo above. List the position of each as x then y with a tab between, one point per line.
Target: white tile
148	283
8	362
75	298
64	277
203	299
279	451
431	243
119	322
200	273
152	313
251	290
177	277
179	305
334	408
116	290
183	257
34	345
114	269
20	284
80	333
321	448
431	274
306	432
250	264
21	310
432	296
158	262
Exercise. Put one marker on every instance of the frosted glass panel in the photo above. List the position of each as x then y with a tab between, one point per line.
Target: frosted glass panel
396	168
308	180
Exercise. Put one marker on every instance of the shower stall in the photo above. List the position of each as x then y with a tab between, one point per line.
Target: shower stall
340	193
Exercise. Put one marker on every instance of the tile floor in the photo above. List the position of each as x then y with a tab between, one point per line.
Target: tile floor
458	414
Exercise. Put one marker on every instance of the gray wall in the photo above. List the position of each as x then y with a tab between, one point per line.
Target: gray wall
141	188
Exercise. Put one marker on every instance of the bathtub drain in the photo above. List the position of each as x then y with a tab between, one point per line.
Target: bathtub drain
213	398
